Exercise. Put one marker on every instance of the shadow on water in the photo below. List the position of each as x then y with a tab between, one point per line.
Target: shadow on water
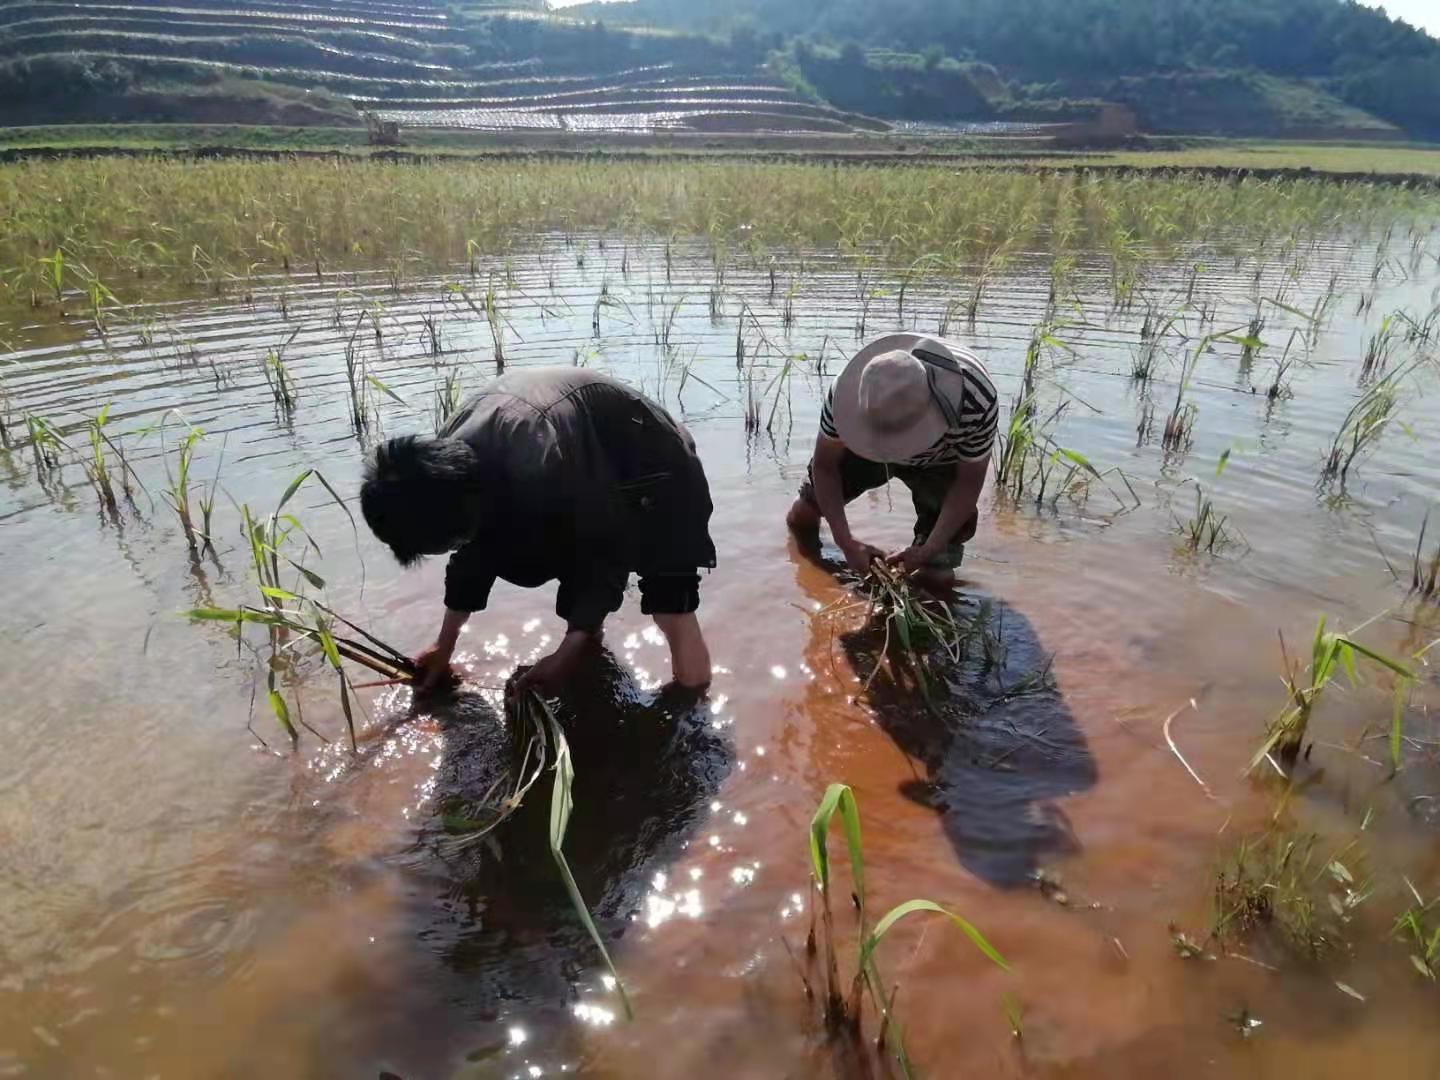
998	748
496	914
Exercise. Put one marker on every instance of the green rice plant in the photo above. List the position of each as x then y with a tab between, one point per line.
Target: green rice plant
1421	331
446	399
787	312
562	804
1425	574
917	271
355	376
1279	384
1417	926
5	408
1278	881
46	443
1251	343
538	745
994	263
1180	424
431	324
1362	427
307	621
1152	335
283	390
843	1007
497	331
915	626
290	615
97	468
107	213
948	315
206	500
1207	530
178	489
1378	351
52	274
606	300
1330	652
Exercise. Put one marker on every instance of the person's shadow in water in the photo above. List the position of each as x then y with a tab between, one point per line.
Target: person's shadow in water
496	912
996	741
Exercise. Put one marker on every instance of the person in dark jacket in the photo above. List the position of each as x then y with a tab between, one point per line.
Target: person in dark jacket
553	474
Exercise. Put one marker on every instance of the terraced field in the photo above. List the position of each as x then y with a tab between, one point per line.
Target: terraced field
492	68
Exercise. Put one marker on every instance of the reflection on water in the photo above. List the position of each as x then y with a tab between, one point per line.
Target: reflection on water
647	767
998	749
173	903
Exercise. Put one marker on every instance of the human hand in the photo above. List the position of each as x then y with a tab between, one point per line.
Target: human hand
549	673
912	560
859	555
433	669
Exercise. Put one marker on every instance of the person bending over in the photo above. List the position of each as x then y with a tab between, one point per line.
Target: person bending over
920	410
546	474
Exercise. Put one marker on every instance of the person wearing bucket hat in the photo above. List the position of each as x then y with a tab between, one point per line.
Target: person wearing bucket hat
917	409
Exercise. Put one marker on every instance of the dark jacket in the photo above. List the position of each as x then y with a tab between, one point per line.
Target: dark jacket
585	481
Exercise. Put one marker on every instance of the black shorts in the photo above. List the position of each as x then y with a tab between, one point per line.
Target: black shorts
928	489
668	592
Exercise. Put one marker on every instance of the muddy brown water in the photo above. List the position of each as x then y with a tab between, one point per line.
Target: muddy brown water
177	901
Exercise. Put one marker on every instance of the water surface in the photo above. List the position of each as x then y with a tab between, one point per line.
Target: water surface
179	900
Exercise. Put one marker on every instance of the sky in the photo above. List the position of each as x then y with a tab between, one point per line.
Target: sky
1422	13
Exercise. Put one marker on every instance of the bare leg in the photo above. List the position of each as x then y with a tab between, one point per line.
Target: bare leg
689	656
804	522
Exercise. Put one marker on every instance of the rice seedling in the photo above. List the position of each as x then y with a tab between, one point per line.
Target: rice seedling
497	332
1362	428
1420	331
948	316
1251	343
607	301
1417	927
1330	652
52	275
1180	424
355	377
1279	385
1207	530
281	383
97	469
446	399
431	324
538	745
1378	351
5	413
290	616
843	1006
1279	882
1425	574
46	443
914	625
178	489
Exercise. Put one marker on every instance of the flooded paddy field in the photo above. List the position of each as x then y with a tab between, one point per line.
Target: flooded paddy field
186	894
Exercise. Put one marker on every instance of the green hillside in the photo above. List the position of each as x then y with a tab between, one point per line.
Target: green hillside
1338	62
1286	68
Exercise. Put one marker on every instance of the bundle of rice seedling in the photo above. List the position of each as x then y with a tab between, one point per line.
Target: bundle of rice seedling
921	629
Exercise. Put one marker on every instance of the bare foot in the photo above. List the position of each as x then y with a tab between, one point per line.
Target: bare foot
939	581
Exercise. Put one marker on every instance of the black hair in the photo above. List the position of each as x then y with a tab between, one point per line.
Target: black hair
421	495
